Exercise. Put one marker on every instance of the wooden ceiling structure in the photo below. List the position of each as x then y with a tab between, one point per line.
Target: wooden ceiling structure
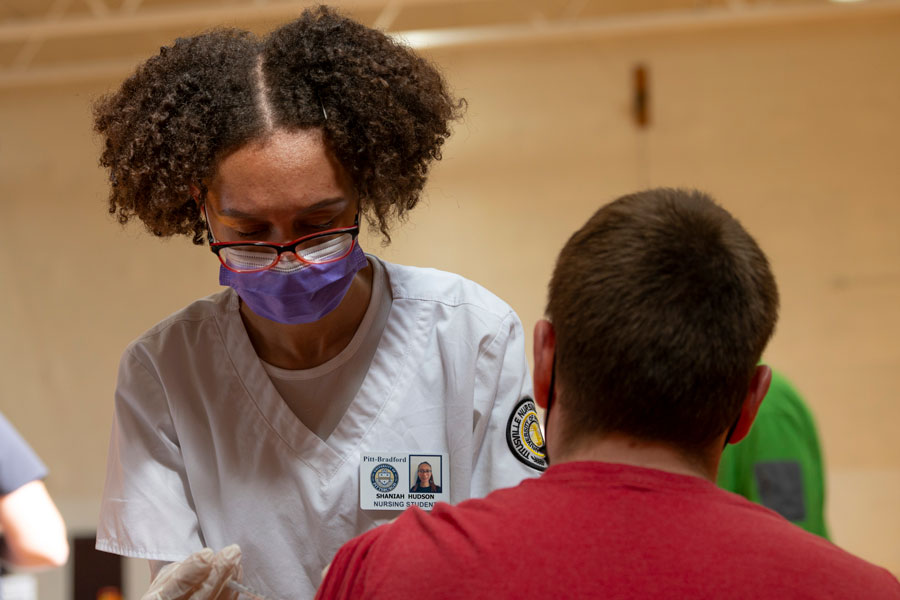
49	42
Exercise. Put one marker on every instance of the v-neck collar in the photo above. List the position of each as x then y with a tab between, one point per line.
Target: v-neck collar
386	375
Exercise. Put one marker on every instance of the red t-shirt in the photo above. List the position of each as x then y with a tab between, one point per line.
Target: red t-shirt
600	530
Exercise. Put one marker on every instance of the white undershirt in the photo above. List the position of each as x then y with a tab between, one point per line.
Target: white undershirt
320	396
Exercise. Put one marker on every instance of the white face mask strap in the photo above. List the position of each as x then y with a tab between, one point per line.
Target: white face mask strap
212	237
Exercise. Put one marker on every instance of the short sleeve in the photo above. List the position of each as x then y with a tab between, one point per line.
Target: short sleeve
787	465
146	510
779	463
18	462
511	439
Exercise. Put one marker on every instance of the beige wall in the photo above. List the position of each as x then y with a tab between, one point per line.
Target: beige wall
795	129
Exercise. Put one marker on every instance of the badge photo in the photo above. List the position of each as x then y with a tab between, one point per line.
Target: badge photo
425	473
429	480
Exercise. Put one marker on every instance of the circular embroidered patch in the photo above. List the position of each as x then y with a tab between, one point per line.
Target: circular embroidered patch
384	477
524	437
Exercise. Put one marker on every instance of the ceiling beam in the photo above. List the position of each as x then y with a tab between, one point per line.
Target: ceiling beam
65	74
388	15
129	7
34	43
648	23
98	8
136	19
668	22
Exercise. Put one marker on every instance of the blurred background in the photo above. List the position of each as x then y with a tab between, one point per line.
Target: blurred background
786	111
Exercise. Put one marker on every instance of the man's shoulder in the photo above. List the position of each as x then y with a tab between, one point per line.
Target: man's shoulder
781	546
831	569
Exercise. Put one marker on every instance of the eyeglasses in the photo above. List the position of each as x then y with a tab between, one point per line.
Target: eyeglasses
315	249
424	470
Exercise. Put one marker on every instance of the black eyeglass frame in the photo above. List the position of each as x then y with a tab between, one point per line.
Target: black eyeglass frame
216	247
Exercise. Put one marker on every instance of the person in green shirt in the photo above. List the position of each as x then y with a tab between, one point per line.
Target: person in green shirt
779	463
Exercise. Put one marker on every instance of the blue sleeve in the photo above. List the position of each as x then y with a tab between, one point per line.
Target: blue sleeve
18	462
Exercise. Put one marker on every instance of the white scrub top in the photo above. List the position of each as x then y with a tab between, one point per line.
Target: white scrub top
204	451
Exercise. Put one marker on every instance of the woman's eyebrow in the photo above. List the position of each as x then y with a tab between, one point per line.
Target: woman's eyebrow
239	214
328	202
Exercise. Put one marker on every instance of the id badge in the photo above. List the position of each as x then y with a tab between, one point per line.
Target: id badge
391	481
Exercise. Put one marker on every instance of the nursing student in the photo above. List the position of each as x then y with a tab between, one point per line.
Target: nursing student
242	418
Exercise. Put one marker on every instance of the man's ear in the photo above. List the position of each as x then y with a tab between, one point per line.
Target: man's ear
759	386
544	351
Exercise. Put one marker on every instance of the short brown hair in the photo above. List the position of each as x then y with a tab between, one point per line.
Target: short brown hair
662	305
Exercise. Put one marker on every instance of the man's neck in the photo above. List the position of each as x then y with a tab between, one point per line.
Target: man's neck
623	449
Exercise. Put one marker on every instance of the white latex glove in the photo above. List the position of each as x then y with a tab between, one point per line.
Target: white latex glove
203	576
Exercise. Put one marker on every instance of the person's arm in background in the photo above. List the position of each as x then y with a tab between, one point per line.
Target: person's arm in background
779	463
33	530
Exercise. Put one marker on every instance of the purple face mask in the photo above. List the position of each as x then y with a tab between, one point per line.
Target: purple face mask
297	293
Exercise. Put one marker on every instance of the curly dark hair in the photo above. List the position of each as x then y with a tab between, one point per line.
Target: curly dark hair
385	113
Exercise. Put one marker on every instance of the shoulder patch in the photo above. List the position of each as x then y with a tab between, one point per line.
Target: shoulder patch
524	437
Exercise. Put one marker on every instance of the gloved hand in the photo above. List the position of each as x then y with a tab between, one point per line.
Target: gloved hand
203	576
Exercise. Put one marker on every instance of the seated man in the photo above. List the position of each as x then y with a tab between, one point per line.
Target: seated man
779	463
659	309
